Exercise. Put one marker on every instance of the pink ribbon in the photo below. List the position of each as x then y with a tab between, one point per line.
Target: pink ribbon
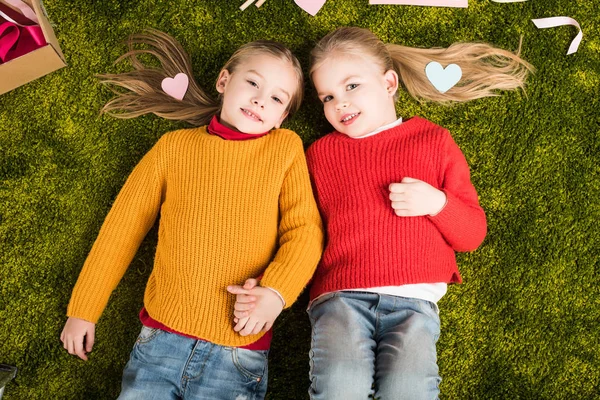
560	21
9	35
18	35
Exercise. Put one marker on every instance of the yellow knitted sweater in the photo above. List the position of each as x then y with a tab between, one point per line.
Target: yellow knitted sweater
229	210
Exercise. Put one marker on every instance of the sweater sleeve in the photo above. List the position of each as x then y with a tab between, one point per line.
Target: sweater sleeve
462	221
300	233
132	215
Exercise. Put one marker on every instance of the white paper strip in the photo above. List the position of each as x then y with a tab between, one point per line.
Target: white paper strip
560	21
432	3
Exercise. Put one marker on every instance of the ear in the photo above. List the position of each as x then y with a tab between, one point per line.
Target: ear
222	80
283	117
391	82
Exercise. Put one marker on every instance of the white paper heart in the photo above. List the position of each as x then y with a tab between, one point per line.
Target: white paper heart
443	79
310	6
177	86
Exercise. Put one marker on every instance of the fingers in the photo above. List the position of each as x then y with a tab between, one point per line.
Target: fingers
244	306
75	347
89	341
241	322
252	327
400	205
402	186
249	326
258	328
78	348
406	179
397	187
250	283
267	326
405	213
245	299
237	289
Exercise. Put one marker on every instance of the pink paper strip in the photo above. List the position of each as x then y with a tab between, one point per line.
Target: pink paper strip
433	3
24	8
560	21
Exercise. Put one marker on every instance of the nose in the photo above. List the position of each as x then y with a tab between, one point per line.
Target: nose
258	100
341	104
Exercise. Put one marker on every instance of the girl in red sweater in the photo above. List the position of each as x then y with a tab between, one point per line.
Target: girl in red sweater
397	202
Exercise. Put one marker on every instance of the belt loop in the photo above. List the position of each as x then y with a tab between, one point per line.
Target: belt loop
379	299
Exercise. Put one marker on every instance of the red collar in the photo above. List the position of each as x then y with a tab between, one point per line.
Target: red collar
217	128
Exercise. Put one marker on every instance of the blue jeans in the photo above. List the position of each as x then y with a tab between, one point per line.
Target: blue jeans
369	344
165	366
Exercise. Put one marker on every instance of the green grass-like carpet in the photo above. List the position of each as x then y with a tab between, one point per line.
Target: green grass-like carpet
525	323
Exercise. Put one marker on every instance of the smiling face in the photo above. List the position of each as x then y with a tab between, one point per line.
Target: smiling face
357	96
256	95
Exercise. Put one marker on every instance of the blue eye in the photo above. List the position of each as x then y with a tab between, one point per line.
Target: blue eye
352	86
327	98
278	100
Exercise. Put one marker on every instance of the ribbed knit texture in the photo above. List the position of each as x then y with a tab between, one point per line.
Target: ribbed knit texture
229	210
368	245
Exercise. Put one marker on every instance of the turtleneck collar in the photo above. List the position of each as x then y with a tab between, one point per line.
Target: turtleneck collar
215	127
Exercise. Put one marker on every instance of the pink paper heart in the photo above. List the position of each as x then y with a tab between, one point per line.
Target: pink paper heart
177	86
310	6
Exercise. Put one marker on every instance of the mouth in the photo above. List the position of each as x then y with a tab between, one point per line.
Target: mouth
347	119
251	115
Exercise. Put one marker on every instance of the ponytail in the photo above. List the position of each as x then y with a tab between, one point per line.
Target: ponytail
485	69
144	92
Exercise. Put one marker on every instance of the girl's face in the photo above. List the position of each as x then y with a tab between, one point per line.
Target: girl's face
256	95
357	97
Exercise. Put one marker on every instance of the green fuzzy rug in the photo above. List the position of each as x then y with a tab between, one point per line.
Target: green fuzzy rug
525	324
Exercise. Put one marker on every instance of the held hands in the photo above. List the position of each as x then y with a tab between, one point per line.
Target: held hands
75	333
412	197
256	307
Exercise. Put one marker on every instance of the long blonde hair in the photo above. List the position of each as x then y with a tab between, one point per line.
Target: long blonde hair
144	93
485	68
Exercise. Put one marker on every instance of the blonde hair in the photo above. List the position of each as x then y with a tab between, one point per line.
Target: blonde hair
144	93
485	68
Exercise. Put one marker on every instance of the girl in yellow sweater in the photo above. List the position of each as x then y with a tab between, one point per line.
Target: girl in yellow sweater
235	202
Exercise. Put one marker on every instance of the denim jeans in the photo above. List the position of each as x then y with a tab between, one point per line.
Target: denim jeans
165	366
367	345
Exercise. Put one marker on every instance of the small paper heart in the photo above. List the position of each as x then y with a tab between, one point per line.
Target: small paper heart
176	86
310	6
443	79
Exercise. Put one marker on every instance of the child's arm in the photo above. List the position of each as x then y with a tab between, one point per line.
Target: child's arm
133	213
300	232
454	209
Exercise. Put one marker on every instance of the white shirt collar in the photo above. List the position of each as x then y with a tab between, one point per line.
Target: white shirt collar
380	129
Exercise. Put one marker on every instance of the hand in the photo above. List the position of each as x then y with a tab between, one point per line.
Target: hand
75	333
266	308
244	303
412	197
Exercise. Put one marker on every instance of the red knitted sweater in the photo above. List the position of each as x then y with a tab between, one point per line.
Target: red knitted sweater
367	244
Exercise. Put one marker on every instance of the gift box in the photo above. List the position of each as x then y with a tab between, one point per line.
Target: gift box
28	46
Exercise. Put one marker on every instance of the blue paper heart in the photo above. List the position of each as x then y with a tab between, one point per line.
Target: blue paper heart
443	79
